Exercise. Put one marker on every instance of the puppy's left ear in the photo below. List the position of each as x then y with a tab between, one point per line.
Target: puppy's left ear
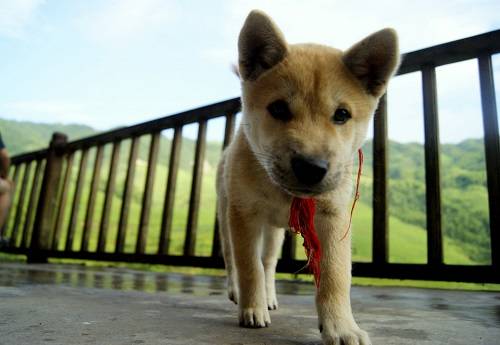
374	60
261	45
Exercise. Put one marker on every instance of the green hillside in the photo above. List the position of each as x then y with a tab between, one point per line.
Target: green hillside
464	196
23	136
464	192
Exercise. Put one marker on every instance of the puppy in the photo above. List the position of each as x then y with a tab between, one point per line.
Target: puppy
306	110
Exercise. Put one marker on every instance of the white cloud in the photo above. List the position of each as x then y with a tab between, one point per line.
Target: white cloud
16	15
219	55
119	21
341	23
40	110
194	29
419	24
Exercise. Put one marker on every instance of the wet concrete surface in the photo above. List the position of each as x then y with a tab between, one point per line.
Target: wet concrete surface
56	304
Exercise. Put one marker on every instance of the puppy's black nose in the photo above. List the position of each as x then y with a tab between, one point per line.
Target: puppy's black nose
309	171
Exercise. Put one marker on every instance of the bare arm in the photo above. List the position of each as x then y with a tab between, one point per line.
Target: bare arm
4	163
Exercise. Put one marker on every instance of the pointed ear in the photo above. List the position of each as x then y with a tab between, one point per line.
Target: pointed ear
374	60
261	45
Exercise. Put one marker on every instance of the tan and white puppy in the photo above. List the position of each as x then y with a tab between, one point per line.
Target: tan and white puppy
306	110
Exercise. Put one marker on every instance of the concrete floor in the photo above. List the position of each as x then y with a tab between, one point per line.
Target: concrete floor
54	304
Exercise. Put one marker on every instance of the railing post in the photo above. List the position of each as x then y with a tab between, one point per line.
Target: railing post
380	220
47	202
168	204
432	167
194	199
228	136
492	152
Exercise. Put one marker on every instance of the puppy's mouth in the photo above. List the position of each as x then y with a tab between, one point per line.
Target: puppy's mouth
303	192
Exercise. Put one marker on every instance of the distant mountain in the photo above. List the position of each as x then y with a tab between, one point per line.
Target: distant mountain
23	136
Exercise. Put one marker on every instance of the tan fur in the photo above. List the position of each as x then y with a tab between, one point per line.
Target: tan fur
255	183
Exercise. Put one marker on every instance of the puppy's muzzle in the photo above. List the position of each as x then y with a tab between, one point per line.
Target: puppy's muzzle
309	171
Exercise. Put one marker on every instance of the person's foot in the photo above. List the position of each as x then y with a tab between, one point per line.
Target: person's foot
4	185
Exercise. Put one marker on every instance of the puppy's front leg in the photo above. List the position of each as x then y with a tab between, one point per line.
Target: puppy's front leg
246	234
336	322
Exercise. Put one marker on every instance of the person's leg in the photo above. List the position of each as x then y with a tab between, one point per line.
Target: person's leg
5	198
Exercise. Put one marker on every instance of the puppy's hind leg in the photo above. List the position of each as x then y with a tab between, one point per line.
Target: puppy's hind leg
225	235
273	241
225	238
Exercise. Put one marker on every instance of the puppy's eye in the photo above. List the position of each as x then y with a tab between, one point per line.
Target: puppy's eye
279	110
341	116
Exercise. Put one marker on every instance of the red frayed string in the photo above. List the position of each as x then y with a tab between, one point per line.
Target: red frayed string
356	195
302	222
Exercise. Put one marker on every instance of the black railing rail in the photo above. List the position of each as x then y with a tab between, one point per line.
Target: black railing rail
36	219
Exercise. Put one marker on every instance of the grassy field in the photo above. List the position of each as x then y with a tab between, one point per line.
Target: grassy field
407	243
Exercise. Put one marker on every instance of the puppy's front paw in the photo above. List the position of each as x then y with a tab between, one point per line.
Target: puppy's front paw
343	334
256	317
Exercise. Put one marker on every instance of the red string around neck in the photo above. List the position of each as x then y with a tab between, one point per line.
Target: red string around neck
356	194
301	221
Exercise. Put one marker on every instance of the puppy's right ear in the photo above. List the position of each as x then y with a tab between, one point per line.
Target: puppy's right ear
261	45
374	60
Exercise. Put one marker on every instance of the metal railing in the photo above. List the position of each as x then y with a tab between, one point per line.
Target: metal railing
37	217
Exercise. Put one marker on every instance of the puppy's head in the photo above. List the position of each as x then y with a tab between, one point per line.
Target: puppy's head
307	107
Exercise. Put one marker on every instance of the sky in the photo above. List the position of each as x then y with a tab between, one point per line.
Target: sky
112	63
